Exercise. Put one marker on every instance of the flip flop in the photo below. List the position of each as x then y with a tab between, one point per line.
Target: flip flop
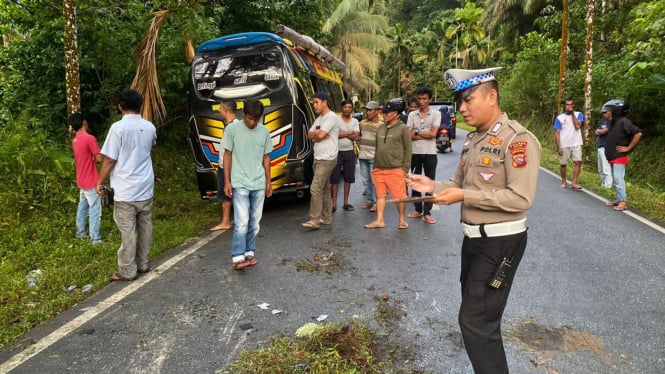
415	215
348	208
119	278
311	224
251	261
403	226
576	188
241	265
220	227
620	208
374	225
367	205
373	208
612	203
429	219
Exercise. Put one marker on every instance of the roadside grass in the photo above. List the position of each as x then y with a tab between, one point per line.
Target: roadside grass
43	239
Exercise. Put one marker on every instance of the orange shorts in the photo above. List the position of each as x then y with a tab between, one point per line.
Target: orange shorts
393	180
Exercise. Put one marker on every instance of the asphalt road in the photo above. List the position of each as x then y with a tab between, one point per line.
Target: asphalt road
588	295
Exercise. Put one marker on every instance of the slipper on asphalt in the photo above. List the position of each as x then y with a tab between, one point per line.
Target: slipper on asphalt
374	225
311	224
620	208
403	226
576	188
612	203
250	260
241	265
563	185
220	227
373	208
119	278
324	222
367	205
348	208
415	215
429	219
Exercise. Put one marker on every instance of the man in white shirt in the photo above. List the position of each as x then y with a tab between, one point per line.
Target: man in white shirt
324	133
128	162
567	127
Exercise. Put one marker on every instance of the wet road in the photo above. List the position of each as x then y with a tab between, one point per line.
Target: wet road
588	296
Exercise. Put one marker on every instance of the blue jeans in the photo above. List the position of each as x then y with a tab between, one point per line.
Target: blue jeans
618	175
247	212
89	210
366	173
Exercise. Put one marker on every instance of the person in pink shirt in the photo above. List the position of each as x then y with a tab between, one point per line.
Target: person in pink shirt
86	157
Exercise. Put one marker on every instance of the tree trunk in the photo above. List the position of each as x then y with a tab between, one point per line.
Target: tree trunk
563	55
72	79
588	69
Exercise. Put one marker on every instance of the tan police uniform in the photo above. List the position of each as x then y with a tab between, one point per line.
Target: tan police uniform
496	171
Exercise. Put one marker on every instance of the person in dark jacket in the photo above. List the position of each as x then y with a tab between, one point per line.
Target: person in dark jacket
621	139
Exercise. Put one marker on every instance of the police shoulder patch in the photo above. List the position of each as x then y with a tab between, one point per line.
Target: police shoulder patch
518	152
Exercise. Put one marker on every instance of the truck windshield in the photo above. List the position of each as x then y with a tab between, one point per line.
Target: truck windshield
238	74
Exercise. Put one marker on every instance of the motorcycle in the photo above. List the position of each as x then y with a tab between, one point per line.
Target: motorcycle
443	140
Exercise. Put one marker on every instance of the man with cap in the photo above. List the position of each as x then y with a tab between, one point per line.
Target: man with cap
621	139
367	145
392	161
495	182
324	133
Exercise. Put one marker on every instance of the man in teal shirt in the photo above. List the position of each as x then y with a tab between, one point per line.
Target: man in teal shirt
247	148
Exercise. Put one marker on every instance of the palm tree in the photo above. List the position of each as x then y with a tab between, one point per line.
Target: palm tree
511	19
358	40
471	34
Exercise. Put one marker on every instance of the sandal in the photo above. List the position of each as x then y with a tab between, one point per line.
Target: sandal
241	265
220	227
373	208
348	208
403	226
374	225
367	205
119	278
415	215
429	219
612	203
621	207
251	261
311	224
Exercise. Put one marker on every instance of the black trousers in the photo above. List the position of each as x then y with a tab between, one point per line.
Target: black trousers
482	307
420	163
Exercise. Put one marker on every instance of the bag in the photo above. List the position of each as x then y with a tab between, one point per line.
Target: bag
107	200
356	148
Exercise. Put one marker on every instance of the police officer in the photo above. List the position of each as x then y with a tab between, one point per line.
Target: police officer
495	182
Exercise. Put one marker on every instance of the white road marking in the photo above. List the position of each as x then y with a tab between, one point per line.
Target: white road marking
91	313
633	215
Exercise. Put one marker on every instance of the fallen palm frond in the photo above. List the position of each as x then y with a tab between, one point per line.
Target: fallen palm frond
146	81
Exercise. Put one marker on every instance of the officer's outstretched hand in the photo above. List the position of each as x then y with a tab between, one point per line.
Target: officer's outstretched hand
420	183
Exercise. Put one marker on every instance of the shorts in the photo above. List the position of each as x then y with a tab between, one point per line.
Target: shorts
220	187
346	167
393	180
575	152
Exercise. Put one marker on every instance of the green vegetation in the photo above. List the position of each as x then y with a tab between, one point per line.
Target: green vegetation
37	225
38	194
